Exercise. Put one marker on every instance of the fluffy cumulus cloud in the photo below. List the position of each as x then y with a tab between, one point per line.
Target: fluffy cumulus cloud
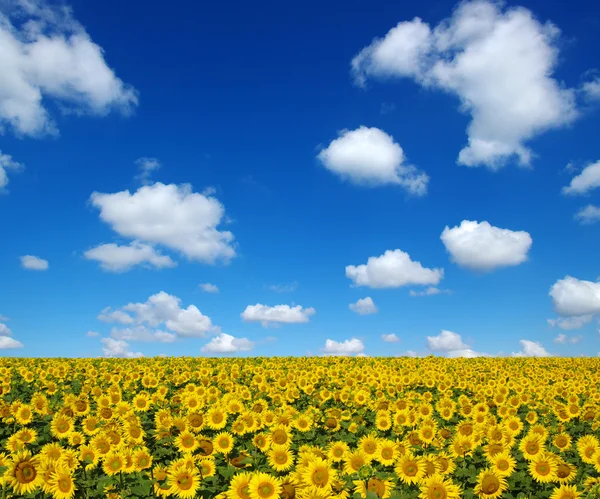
279	314
586	181
483	247
6	339
390	338
499	63
146	167
31	262
344	348
369	156
588	215
115	258
572	297
451	344
563	338
118	348
48	56
591	89
161	309
226	343
364	306
168	215
7	163
531	349
393	269
207	287
569	323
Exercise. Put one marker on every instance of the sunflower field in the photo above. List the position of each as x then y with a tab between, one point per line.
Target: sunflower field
306	428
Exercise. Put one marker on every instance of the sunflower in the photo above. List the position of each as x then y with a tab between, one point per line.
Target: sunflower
503	463
410	469
24	414
161	487
216	418
61	426
22	473
195	421
280	458
543	468
206	466
565	472
142	459
490	485
565	492
184	482
368	444
446	464
264	486
26	435
438	487
90	425
531	445
337	451
141	402
355	460
61	484
303	423
387	452
88	456
101	444
383	488
239	486
587	447
319	475
223	442
186	442
562	441
280	436
113	463
462	446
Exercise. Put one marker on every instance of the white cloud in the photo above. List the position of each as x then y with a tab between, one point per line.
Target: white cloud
225	343
563	338
591	89
279	314
390	338
369	156
7	164
146	166
4	330
569	323
48	56
588	215
431	290
573	297
344	348
364	306
393	269
451	345
498	62
587	180
108	315
164	309
31	262
7	342
207	287
531	349
142	333
284	288
481	246
92	334
118	348
115	258
172	216
411	353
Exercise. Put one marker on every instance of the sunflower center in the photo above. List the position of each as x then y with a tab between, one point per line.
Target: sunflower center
563	471
490	484
217	418
542	468
64	484
437	492
387	454
224	442
279	437
281	458
532	448
25	472
184	482
320	477
410	469
376	486
188	441
244	491
502	465
266	490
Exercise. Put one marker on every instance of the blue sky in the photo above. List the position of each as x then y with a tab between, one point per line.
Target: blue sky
403	179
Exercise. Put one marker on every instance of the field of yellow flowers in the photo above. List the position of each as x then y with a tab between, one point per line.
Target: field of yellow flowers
306	428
